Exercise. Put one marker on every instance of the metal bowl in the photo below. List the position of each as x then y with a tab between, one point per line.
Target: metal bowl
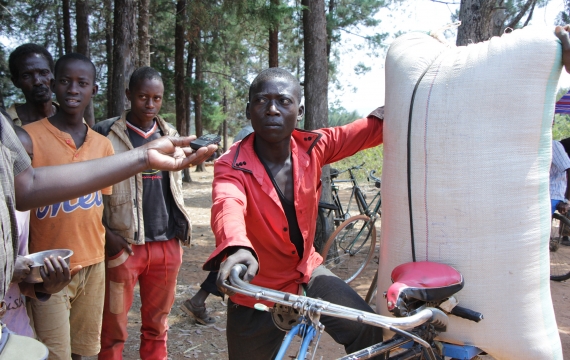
38	258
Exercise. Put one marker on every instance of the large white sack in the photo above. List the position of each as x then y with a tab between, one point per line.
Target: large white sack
480	159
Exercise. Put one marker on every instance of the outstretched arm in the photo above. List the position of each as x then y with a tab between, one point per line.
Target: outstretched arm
563	34
51	184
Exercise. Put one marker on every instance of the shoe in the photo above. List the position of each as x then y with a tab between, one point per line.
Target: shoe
565	241
200	314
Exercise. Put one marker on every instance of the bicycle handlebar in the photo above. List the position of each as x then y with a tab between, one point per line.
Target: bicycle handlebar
312	307
356	167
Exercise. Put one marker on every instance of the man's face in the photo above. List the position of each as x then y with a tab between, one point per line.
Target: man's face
74	86
34	79
274	109
146	99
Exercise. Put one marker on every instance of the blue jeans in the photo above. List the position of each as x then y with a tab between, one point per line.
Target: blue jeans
554	204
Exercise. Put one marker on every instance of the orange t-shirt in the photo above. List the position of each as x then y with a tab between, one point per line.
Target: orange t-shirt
73	224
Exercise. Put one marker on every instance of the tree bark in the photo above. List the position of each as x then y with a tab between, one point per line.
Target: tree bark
225	123
316	80
179	37
144	38
197	95
188	101
108	11
316	64
480	20
332	6
66	26
82	25
274	41
59	25
124	52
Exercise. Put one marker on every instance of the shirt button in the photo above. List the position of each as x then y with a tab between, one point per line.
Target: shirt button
309	138
284	229
76	155
68	141
293	252
244	163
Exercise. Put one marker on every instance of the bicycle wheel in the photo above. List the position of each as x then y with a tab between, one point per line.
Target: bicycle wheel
559	253
350	248
320	232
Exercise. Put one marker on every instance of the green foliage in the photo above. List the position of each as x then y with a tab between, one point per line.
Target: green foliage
372	159
563	17
561	127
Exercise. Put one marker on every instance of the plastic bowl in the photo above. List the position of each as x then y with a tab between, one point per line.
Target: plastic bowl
38	258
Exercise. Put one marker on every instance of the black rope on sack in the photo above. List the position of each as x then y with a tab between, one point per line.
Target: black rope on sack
409	162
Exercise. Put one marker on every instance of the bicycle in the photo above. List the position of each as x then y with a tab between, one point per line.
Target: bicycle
420	308
343	213
559	253
351	246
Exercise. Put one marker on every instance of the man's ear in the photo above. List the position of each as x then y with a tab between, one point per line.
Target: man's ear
247	113
301	113
95	90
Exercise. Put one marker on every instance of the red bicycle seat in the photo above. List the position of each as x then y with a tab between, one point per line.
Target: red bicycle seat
424	281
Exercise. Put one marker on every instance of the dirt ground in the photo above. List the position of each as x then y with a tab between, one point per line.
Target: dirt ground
187	340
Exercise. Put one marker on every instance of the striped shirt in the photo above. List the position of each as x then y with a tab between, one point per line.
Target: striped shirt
13	160
560	163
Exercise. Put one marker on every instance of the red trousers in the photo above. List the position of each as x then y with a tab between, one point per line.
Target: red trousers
155	266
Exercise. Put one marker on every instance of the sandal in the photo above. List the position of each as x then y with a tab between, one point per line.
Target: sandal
200	314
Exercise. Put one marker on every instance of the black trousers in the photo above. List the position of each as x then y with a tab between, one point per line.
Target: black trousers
251	333
209	285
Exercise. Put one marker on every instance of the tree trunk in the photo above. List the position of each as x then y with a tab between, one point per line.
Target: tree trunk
316	65
59	25
480	20
225	123
144	39
330	28
188	101
180	97
82	25
66	26
316	80
124	52
274	41
198	94
108	10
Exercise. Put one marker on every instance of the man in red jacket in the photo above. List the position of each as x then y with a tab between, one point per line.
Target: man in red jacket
265	197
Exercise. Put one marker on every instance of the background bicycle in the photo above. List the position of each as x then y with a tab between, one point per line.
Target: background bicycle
559	248
352	245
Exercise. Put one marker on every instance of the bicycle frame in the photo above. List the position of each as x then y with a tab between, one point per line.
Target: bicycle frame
311	310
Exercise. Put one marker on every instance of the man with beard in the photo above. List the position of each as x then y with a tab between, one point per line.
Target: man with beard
31	69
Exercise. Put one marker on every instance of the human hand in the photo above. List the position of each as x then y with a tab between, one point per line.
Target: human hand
174	153
562	33
21	269
115	243
57	276
242	256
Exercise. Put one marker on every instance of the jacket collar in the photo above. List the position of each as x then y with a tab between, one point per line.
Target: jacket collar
302	143
120	128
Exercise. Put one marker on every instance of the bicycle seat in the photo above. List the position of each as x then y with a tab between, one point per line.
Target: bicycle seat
424	281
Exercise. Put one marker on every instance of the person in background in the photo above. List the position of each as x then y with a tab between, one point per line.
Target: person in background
31	70
142	241
16	318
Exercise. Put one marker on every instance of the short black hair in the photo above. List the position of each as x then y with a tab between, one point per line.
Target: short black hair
74	56
24	50
275	73
143	73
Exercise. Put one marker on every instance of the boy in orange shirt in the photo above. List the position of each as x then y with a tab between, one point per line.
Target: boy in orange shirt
69	323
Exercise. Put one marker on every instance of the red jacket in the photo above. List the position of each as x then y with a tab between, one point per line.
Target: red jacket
247	212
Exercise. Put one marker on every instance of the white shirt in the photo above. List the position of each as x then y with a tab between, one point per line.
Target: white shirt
560	163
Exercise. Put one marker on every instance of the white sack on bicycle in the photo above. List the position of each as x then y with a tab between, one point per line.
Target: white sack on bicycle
480	159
